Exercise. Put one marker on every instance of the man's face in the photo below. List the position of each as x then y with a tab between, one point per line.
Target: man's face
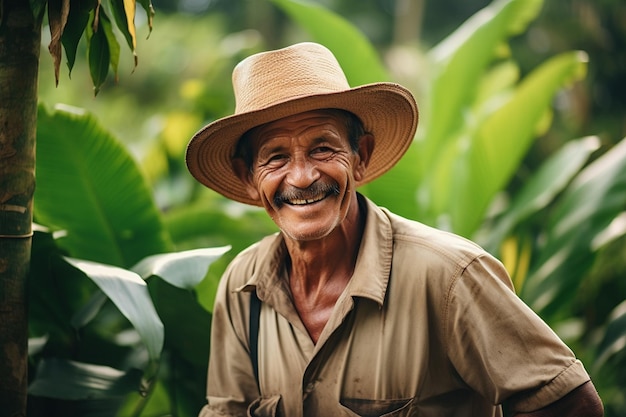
304	171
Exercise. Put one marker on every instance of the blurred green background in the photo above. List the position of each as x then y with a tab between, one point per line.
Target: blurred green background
520	148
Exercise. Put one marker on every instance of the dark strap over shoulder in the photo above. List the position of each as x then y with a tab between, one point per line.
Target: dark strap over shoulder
255	314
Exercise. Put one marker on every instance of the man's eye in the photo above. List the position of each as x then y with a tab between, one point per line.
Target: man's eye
276	159
322	150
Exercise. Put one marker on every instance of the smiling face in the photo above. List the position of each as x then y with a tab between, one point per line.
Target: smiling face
303	170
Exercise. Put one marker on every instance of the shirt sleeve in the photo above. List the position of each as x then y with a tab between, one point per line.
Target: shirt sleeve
500	347
231	386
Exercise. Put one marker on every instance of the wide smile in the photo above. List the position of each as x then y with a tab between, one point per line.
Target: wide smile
306	201
305	197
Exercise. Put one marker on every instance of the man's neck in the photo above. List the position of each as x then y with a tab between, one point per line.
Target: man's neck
316	263
319	271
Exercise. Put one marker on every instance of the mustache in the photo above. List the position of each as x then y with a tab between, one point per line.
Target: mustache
314	190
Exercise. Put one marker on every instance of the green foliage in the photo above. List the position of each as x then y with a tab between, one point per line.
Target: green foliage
541	189
95	199
68	20
77	21
105	383
341	37
578	226
129	293
479	118
104	50
107	214
475	129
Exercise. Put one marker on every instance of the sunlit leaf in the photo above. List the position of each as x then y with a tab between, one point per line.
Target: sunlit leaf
354	52
463	58
124	15
90	187
520	115
499	144
70	380
496	85
129	293
425	181
58	11
182	269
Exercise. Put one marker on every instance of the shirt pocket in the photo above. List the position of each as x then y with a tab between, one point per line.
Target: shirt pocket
264	406
378	408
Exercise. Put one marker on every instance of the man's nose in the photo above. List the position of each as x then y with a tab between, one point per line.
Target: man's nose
302	172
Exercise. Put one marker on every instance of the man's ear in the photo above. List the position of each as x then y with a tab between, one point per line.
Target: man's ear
366	147
245	176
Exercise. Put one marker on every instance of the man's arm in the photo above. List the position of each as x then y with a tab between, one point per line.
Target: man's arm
581	402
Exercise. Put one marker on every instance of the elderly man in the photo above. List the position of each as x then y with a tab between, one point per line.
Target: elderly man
351	310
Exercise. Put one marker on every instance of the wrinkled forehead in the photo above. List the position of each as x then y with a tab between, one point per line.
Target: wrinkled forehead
331	119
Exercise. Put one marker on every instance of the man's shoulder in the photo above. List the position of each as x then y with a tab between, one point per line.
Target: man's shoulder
408	229
412	232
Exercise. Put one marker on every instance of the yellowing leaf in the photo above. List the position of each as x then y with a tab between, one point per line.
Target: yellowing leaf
124	15
130	8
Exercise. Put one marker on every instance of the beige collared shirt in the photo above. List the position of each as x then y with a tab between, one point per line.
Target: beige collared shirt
427	326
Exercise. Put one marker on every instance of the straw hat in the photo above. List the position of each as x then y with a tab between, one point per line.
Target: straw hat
272	85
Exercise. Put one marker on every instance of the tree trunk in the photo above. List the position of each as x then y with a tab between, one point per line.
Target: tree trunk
20	40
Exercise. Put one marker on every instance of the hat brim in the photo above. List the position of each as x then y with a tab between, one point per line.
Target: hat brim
388	111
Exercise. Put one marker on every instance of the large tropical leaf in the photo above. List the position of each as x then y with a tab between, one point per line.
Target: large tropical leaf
184	269
129	293
176	302
463	58
459	65
354	52
470	170
209	223
504	138
72	317
90	187
588	207
187	324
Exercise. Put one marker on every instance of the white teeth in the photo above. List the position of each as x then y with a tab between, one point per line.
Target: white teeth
300	202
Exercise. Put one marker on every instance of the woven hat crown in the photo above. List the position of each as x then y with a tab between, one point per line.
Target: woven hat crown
286	74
